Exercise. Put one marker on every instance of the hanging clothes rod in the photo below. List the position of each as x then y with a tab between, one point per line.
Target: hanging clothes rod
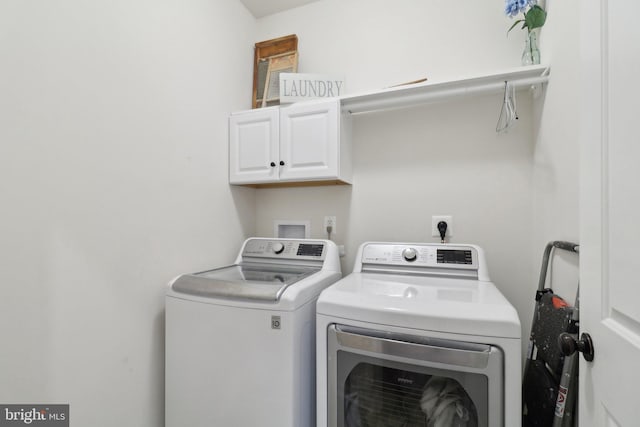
433	92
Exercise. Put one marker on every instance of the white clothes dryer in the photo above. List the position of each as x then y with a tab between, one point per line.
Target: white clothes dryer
417	335
240	340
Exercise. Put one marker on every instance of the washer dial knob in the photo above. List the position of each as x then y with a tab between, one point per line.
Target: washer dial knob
278	247
410	254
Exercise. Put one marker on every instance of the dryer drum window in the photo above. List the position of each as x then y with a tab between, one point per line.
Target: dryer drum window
377	395
375	381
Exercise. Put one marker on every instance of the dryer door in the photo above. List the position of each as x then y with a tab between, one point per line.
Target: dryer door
378	378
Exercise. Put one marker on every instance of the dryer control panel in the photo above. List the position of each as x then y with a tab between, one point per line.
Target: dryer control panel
421	256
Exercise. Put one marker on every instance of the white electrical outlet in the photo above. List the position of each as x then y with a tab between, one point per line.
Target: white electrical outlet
435	219
330	221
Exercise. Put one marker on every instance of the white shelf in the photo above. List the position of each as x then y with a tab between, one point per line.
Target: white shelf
431	91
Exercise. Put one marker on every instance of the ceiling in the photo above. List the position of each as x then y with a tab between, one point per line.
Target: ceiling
260	8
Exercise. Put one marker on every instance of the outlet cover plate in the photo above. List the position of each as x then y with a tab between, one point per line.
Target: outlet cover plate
330	221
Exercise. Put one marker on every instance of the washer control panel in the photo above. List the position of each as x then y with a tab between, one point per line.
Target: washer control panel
284	248
460	257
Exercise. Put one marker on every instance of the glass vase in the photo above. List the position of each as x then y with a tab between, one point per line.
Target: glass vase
531	53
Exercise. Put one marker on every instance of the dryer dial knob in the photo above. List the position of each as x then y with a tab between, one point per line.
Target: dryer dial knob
410	254
278	247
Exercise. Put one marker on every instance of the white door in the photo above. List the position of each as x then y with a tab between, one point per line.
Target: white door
610	207
253	146
309	140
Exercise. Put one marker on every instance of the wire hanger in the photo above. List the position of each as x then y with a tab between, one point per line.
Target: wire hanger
508	113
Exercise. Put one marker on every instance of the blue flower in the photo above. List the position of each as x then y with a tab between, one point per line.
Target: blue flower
534	16
514	7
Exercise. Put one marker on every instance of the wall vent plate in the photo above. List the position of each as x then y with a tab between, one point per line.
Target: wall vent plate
292	229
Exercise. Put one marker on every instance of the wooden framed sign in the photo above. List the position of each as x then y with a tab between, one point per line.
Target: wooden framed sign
272	56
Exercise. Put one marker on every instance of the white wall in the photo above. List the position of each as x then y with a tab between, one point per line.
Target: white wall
412	164
556	167
113	179
378	43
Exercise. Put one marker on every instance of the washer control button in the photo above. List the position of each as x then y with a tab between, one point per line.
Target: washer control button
278	247
410	254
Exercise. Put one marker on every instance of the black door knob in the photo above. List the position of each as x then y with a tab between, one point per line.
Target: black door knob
568	345
281	163
273	164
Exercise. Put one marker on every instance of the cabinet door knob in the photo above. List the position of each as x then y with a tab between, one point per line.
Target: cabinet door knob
281	163
273	165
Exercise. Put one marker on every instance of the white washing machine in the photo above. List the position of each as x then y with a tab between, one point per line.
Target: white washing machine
240	340
417	335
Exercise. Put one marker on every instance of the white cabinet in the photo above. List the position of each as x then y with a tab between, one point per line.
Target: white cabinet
254	146
305	143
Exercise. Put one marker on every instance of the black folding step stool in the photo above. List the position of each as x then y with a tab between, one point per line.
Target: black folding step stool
550	378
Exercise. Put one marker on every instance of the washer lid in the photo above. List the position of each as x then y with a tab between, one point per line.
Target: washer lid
450	305
252	281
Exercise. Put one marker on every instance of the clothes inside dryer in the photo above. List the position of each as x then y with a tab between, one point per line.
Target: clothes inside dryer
384	396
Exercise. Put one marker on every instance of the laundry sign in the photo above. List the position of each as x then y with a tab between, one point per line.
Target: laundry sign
296	87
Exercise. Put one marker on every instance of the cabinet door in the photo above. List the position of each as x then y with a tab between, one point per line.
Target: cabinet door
309	141
253	146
